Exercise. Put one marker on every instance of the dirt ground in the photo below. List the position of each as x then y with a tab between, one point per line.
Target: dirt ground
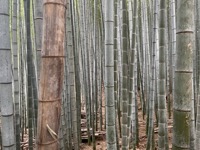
101	143
101	140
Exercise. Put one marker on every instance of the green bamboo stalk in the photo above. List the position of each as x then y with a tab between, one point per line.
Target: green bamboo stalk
150	142
72	78
76	62
30	74
124	77
183	75
162	117
116	70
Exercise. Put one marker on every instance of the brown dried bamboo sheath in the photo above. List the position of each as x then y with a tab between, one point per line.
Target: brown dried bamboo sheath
51	74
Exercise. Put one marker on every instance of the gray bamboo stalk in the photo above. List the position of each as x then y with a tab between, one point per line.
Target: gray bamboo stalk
62	130
143	51
116	70
96	61
64	114
146	53
33	68
196	60
119	68
7	118
194	86
30	74
93	63
100	67
192	124
65	103
21	72
133	137
72	78
140	53
198	100
38	18
124	76
162	78
68	109
23	68
119	37
157	65
65	124
173	30
85	80
197	36
136	85
197	46
150	23
100	97
87	59
183	75
150	142
15	36
75	36
109	76
144	47
169	75
131	67
130	19
115	53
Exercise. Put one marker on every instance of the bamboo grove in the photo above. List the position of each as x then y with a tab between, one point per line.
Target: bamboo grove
107	58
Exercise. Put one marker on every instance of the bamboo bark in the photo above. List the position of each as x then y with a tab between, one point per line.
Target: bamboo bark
51	74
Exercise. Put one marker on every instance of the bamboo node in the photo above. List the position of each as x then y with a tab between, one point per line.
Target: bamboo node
56	3
184	31
47	143
53	100
52	56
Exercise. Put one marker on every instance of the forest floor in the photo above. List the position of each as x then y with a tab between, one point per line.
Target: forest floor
101	135
101	142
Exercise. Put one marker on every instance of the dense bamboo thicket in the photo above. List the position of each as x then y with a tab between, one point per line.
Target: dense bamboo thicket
75	70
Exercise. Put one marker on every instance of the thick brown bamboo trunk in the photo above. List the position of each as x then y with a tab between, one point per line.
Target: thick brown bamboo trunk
51	74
